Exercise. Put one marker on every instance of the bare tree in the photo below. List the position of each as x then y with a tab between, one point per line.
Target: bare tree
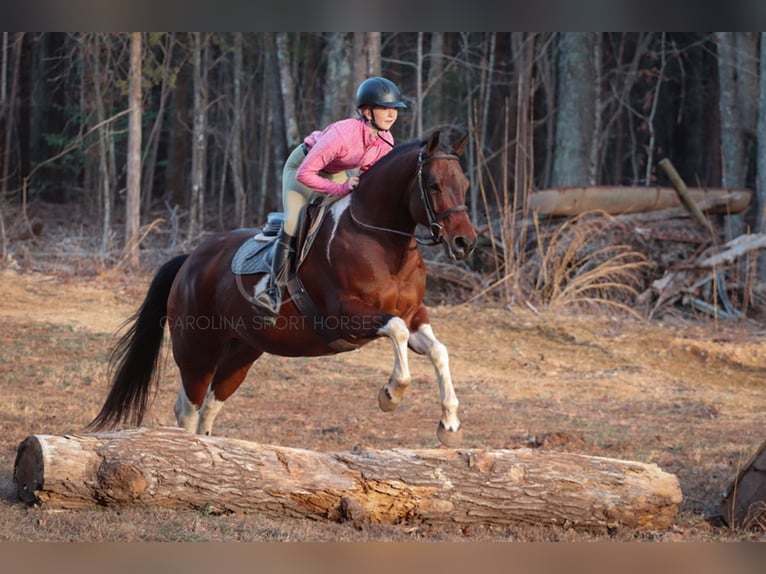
337	103
575	112
761	156
7	111
7	105
373	48
199	136
133	197
167	77
236	158
93	45
732	144
288	89
419	87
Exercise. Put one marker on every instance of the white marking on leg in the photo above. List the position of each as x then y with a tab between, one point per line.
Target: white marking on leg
210	409
425	342
393	391
336	211
187	413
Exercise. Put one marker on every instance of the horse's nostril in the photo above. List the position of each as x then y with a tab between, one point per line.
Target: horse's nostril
465	244
461	246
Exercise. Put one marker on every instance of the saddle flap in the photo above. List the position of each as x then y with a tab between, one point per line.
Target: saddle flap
253	256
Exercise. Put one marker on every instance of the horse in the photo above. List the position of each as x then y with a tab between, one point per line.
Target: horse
362	279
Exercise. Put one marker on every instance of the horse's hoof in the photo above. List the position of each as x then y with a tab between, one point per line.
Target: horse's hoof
449	438
386	401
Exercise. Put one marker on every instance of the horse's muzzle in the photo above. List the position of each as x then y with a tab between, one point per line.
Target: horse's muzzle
459	247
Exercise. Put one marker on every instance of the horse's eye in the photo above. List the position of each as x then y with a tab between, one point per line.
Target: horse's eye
434	187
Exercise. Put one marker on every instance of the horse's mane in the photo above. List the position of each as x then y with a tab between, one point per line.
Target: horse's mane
398	151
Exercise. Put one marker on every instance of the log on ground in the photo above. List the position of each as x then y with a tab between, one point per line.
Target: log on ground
172	468
616	200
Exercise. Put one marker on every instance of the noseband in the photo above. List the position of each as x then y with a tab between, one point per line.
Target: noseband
434	227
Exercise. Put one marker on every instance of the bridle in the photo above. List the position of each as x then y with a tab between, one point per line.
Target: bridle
435	228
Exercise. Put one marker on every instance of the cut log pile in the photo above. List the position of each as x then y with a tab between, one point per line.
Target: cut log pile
172	468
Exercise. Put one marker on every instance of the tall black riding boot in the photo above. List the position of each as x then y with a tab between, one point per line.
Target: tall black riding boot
269	300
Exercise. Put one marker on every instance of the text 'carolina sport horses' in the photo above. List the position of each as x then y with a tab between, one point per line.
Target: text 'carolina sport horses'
363	278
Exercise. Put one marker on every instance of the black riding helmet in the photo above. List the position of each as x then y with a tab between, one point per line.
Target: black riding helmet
379	91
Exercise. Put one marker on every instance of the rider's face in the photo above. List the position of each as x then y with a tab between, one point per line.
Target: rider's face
384	117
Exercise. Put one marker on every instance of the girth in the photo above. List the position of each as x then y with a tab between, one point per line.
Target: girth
302	300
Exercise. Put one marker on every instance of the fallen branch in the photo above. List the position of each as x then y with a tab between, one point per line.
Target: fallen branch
734	249
686	199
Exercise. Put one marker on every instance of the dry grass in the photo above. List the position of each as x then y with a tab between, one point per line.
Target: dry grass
686	396
580	375
575	267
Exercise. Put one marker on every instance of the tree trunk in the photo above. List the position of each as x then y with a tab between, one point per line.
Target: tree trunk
155	136
8	113
287	90
373	48
435	92
104	135
133	196
761	156
277	139
732	146
172	468
237	160
337	103
575	114
178	140
199	136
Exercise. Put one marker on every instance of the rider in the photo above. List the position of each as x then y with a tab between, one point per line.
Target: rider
329	161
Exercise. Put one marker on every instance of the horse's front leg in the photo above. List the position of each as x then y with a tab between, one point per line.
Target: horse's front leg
424	342
392	392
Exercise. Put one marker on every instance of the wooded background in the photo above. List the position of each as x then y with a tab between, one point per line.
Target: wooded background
194	127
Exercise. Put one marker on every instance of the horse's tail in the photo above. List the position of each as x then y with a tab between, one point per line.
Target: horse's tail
135	358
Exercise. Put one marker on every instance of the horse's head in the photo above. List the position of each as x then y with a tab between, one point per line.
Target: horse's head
440	203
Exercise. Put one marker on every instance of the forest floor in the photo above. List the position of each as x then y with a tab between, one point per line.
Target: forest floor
685	393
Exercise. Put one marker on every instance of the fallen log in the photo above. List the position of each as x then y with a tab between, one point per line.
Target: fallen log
172	468
616	200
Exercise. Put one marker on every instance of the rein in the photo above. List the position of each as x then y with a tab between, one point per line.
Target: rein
435	228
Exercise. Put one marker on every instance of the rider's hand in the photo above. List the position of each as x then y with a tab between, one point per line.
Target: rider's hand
353	181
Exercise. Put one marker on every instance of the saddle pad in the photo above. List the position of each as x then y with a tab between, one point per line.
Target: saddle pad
253	256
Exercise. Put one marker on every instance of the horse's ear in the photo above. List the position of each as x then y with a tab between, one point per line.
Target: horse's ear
433	142
459	145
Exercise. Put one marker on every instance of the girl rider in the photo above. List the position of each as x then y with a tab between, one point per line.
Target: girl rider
322	164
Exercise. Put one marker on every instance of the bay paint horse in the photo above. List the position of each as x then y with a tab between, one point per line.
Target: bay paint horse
362	279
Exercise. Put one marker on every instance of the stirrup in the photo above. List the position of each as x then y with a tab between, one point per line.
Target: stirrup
268	301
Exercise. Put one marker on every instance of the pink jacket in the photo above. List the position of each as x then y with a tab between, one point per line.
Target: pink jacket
345	144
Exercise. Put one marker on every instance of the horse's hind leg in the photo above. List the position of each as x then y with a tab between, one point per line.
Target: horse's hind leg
231	371
424	342
190	399
197	357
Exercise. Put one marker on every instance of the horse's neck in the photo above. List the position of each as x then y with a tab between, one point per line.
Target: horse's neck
385	201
